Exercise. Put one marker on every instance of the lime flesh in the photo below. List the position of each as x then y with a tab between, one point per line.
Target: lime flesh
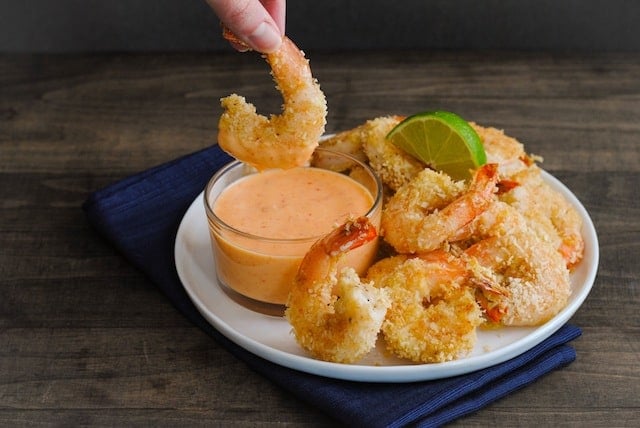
442	140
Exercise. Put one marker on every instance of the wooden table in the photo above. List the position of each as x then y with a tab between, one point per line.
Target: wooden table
86	339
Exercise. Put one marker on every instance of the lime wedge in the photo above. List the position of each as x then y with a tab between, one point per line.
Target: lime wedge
442	140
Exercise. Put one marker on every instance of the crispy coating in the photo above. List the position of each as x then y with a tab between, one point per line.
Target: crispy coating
503	150
334	315
368	141
281	141
432	208
548	212
525	280
392	164
496	249
433	315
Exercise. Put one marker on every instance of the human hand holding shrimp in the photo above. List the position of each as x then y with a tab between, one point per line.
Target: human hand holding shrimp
258	24
462	255
286	140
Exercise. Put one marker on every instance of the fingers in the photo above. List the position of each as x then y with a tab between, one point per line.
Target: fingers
259	25
277	10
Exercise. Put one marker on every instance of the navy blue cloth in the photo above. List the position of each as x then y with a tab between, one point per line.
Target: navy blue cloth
140	216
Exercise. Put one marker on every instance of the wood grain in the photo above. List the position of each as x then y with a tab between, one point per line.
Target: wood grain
86	339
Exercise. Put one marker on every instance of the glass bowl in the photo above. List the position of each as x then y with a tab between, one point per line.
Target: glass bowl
259	270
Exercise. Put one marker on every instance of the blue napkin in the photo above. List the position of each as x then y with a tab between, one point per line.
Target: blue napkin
140	216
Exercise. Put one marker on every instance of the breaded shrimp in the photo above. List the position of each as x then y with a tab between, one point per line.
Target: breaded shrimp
392	164
432	208
335	316
525	279
281	141
522	186
433	315
503	150
551	215
349	142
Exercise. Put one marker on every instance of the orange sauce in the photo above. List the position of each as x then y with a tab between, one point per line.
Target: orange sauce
282	213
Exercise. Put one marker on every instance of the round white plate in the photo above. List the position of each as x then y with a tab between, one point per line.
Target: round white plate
270	337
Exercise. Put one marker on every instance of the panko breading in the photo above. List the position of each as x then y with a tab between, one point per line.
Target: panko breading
526	281
432	208
496	249
433	315
335	316
393	166
280	141
504	150
549	213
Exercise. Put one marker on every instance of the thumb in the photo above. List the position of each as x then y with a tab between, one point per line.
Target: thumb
250	22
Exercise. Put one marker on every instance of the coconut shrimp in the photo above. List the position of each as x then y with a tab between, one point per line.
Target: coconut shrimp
281	141
432	209
523	279
394	166
368	141
550	214
503	150
349	142
522	186
433	315
335	316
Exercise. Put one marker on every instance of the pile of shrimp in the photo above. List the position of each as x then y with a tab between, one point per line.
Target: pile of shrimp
495	250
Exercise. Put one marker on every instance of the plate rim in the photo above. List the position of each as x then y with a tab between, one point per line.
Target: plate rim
410	372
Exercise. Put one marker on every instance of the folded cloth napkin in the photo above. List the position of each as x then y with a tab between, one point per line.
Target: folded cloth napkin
140	216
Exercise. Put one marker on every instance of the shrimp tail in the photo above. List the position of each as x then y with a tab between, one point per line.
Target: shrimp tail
324	254
231	37
505	186
349	236
477	200
485	179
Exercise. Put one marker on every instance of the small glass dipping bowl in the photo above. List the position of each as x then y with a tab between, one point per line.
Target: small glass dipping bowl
257	271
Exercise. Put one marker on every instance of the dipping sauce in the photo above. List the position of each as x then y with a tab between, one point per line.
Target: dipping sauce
264	223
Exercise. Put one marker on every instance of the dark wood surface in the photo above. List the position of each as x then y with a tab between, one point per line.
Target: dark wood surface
86	339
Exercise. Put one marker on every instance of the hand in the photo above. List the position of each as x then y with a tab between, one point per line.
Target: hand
258	23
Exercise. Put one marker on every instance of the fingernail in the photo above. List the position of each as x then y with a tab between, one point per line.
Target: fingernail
240	47
265	38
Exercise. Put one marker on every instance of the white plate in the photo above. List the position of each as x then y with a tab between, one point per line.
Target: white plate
270	337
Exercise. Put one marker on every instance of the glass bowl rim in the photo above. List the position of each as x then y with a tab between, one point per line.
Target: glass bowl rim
377	200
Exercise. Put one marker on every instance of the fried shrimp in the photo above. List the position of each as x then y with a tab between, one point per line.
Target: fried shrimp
503	150
525	279
281	141
349	142
393	165
335	316
551	215
432	208
523	187
433	315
